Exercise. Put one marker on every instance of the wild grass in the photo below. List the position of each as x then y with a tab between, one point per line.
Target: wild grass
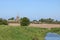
21	33
24	32
55	30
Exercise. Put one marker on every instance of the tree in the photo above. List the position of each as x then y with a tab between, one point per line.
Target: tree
11	18
48	20
42	20
24	21
3	21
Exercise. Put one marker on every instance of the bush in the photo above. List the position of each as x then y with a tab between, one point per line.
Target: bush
3	22
12	18
24	21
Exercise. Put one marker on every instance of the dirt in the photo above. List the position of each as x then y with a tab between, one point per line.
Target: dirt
45	25
14	24
38	25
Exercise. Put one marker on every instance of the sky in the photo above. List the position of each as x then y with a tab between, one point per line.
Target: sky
33	9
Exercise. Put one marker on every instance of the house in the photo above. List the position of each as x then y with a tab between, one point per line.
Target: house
15	22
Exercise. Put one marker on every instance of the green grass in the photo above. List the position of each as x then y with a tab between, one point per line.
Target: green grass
24	32
21	33
55	30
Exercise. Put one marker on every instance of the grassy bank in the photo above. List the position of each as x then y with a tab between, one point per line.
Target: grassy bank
24	33
55	30
21	33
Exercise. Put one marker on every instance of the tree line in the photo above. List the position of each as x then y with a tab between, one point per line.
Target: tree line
26	21
47	20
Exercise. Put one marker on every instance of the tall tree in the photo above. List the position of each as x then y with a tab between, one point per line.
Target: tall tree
24	21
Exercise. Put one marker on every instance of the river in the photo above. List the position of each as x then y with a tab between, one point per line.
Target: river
52	36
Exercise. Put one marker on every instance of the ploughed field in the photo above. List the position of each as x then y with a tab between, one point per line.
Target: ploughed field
45	25
38	25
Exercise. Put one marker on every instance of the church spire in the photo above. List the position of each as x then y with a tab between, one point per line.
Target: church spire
17	18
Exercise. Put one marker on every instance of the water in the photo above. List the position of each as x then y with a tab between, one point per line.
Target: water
52	36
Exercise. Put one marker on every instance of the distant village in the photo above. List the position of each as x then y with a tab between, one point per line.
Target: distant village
16	21
41	21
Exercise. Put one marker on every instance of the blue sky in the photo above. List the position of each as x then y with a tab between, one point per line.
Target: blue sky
33	9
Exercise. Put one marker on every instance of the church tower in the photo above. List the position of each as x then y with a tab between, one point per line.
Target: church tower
17	19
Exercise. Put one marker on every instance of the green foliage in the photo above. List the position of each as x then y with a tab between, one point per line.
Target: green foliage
3	22
12	18
24	21
57	22
24	33
55	29
42	20
49	21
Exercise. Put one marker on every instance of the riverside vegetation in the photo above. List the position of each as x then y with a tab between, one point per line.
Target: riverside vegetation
24	32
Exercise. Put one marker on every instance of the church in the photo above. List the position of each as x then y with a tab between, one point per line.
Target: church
15	22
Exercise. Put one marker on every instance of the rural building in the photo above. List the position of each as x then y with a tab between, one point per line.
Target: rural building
15	22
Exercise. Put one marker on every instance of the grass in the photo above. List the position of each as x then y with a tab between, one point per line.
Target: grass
55	30
23	32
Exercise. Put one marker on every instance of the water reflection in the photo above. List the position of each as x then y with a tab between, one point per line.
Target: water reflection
52	36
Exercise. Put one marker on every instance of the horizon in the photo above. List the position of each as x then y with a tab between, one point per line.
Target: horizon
32	9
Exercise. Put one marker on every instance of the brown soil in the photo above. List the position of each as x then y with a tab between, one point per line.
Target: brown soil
45	25
38	25
14	24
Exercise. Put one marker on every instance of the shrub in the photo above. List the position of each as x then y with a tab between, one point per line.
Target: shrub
24	21
3	22
12	18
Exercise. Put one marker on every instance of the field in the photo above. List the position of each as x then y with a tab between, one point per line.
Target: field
24	32
46	25
39	25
